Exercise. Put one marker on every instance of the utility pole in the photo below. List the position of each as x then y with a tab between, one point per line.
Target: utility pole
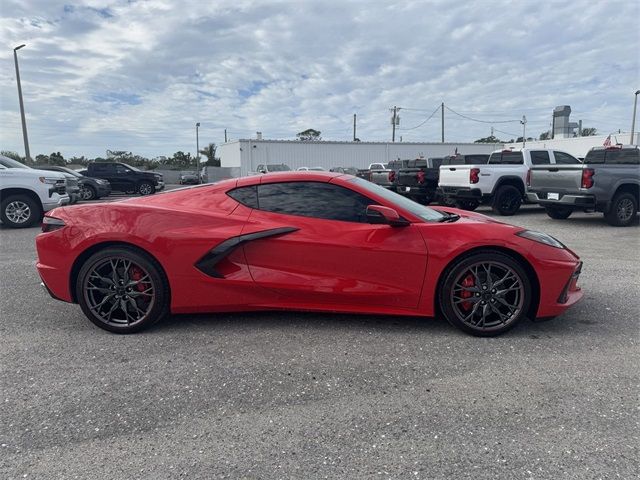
24	121
442	108
492	131
393	123
524	128
225	135
354	127
197	152
633	120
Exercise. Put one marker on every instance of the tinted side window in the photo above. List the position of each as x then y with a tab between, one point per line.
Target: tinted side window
511	158
247	196
565	159
121	169
313	199
540	157
436	162
103	168
623	156
594	156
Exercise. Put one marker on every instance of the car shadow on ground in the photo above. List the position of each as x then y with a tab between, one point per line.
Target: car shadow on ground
335	322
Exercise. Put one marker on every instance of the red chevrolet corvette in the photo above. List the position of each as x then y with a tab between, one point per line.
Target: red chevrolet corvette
300	241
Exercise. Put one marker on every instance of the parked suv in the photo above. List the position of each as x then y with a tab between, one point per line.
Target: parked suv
26	193
501	181
278	167
125	178
89	188
608	181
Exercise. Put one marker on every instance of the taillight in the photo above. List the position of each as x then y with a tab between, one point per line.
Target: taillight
587	177
528	177
421	177
50	224
474	175
392	176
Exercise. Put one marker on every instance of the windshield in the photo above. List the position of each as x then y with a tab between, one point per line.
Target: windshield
278	168
132	168
404	203
10	163
71	172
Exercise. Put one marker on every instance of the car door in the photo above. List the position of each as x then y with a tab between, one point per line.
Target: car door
107	171
327	254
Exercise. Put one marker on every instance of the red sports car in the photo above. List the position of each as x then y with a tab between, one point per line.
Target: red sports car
309	241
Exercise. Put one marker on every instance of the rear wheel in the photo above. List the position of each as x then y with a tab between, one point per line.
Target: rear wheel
122	290
468	204
88	193
558	212
20	211
624	208
507	200
485	294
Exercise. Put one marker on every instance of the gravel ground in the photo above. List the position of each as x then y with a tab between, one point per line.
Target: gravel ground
291	395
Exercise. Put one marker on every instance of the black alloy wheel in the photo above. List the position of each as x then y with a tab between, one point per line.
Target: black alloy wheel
507	200
122	290
485	294
624	208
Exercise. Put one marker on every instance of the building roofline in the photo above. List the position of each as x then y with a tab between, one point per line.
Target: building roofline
343	142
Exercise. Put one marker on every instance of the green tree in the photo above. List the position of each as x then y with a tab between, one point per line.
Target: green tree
210	152
589	132
42	159
489	139
545	135
309	135
56	158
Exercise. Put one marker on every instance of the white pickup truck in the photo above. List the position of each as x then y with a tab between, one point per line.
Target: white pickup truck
501	182
26	193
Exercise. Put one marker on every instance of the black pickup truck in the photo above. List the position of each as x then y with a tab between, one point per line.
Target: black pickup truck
419	179
125	178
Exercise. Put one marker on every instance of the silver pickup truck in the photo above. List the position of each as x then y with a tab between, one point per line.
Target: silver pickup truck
607	181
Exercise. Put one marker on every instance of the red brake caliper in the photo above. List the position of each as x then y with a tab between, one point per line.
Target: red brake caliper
136	274
467	283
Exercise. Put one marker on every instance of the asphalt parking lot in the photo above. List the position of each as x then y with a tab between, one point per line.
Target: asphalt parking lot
298	395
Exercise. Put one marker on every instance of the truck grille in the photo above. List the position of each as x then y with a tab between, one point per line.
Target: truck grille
60	187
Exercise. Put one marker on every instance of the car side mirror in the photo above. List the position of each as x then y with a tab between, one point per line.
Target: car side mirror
378	214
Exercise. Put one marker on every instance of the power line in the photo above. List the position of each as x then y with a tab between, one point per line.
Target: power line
480	121
428	118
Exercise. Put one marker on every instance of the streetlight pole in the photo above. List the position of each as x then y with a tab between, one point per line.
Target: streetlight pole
24	121
524	128
197	152
633	120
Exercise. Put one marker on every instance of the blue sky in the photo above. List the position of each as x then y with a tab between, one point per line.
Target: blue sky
138	75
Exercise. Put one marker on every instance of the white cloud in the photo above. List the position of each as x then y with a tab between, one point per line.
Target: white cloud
138	75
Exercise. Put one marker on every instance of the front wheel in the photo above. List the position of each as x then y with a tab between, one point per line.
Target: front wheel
145	188
485	294
20	211
624	208
88	193
122	290
558	212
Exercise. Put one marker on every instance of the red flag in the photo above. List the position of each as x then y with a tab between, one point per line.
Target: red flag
607	141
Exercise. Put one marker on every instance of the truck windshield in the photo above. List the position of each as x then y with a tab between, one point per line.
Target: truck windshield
10	163
404	203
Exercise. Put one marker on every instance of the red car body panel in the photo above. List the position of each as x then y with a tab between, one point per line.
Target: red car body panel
321	265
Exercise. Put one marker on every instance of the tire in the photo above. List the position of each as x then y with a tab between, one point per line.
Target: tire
623	211
469	205
507	200
145	188
20	211
558	212
139	298
506	291
89	193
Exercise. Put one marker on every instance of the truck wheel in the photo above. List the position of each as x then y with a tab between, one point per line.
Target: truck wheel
20	211
145	188
507	200
622	213
558	212
470	205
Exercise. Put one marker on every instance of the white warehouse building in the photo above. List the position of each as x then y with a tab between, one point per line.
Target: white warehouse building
244	156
